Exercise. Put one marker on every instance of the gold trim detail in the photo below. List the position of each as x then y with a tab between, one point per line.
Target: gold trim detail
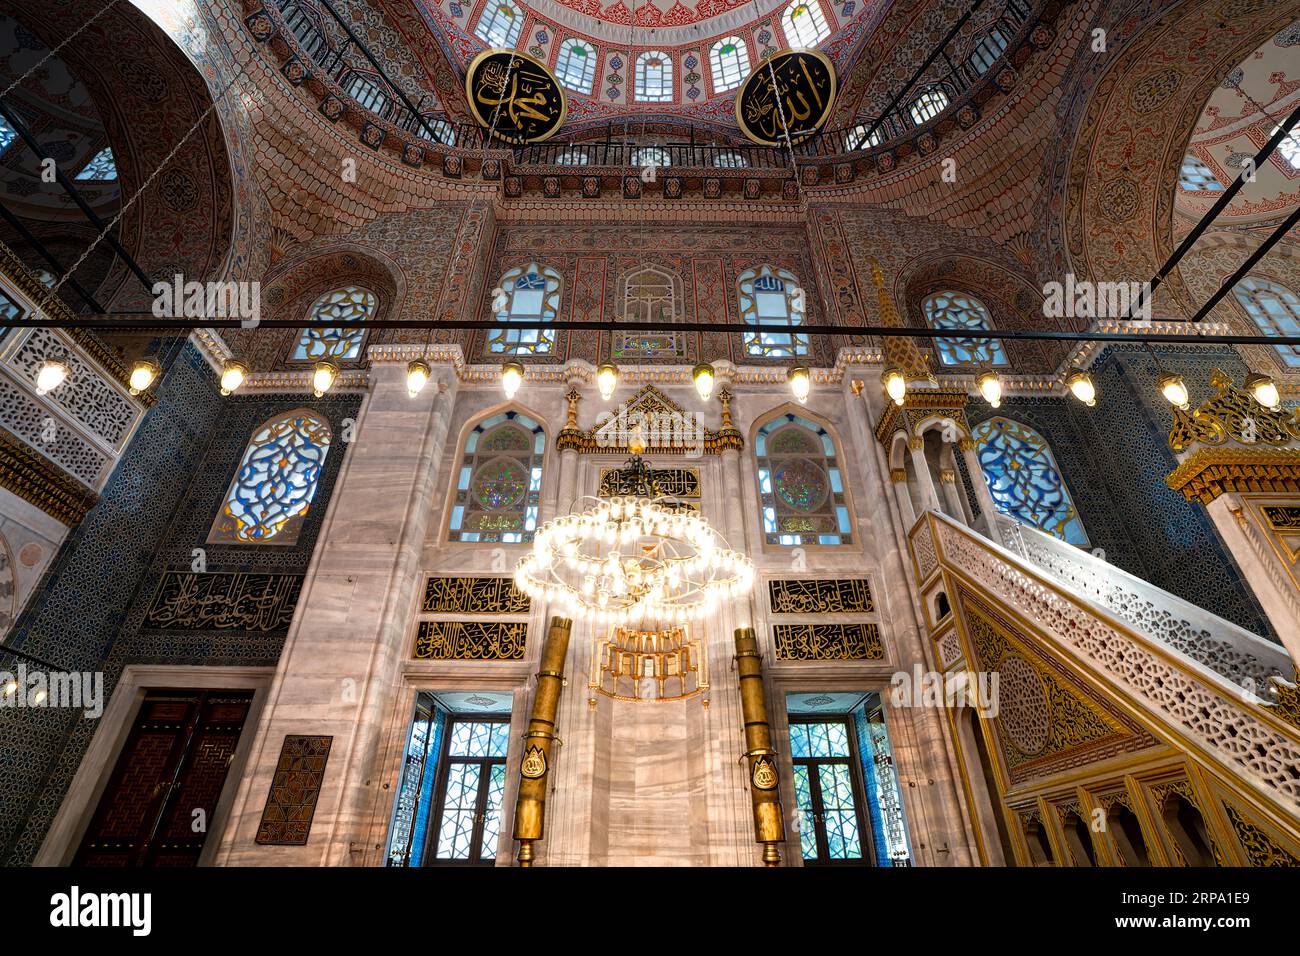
1210	472
534	764
898	474
470	641
1282	517
473	596
820	596
39	482
1287	703
1260	848
656	411
1232	414
828	642
919	404
665	482
502	120
756	99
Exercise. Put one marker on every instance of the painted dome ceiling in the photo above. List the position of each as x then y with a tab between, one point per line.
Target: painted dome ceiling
688	56
1238	120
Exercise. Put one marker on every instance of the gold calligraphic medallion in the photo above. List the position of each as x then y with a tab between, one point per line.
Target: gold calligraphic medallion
765	773
534	764
793	90
514	96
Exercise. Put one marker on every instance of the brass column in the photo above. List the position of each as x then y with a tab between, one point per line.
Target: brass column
534	770
764	782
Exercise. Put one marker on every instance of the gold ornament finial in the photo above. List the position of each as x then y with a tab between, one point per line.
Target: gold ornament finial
899	351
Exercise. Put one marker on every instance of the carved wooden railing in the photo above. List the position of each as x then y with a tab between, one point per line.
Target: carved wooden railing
1211	716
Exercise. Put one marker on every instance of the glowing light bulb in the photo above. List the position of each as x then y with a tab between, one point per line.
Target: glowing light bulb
607	380
1264	389
1174	390
703	375
52	374
895	384
512	376
232	376
990	386
323	375
1080	384
417	376
800	383
143	373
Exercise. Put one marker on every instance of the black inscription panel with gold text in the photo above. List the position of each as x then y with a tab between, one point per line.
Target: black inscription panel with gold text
514	96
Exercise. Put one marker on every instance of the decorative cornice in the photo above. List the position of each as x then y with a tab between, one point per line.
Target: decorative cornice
39	482
1233	416
897	418
1210	472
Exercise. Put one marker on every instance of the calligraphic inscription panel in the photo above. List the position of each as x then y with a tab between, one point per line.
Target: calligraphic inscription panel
789	94
473	596
223	601
682	483
295	788
828	642
1283	517
514	96
820	596
470	641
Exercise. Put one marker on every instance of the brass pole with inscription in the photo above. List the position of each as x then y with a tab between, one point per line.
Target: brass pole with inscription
764	783
534	770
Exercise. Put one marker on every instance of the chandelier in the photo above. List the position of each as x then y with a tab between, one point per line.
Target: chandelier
633	560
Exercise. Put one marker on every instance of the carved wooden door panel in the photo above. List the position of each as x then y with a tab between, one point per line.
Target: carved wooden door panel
157	808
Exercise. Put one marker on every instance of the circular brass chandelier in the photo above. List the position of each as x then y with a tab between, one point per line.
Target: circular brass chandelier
633	560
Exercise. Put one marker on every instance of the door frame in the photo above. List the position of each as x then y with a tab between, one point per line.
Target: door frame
866	834
440	795
88	784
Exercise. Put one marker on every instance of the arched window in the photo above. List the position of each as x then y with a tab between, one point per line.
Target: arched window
101	168
730	60
1195	176
318	343
526	294
730	160
1024	480
772	297
800	484
573	156
857	137
650	297
956	310
651	156
500	24
928	105
305	27
1289	147
989	48
440	131
500	481
368	92
575	66
277	479
654	77
1275	309
804	23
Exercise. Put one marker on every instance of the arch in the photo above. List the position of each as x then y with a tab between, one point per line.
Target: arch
1078	839
497	495
1187	829
1126	833
499	24
319	342
651	296
772	296
276	481
804	23
1024	479
575	65
802	491
929	104
525	293
1039	843
952	309
654	77
729	59
1275	309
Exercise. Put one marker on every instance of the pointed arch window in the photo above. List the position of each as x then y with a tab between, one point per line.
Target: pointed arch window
499	485
1024	479
654	77
729	58
319	342
1275	309
101	168
800	484
950	309
651	297
500	24
575	66
276	482
526	294
772	298
804	23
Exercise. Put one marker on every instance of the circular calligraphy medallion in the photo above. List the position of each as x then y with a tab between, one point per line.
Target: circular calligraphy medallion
500	483
792	91
801	484
515	96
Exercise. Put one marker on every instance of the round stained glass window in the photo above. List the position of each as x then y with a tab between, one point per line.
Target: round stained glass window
500	483
801	484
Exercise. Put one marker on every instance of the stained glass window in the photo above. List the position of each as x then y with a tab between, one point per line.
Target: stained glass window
956	310
500	481
1275	309
1195	176
7	134
730	60
525	294
319	342
1024	480
575	66
654	77
101	168
804	23
772	297
825	792
500	24
650	298
277	479
800	484
928	105
988	50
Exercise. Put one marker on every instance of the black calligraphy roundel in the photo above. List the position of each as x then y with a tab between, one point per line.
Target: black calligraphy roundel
792	91
514	96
